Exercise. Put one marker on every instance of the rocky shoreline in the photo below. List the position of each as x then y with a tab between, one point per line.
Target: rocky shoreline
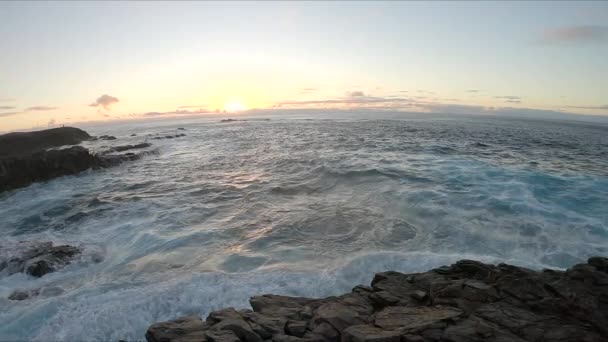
29	157
467	301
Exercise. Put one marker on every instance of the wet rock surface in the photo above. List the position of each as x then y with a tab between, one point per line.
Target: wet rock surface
467	301
38	260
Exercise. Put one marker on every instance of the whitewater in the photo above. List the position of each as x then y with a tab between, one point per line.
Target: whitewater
307	205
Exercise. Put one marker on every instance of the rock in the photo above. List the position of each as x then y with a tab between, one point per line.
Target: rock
22	170
418	295
170	136
240	328
228	120
370	333
281	306
42	258
126	147
19	295
25	143
181	129
38	268
601	264
467	301
185	329
107	137
296	328
221	336
337	315
405	318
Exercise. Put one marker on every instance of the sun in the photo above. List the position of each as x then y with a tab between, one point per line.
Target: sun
234	106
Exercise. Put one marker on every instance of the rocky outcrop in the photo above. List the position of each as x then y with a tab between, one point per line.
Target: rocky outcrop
25	143
40	259
467	301
23	167
170	136
22	170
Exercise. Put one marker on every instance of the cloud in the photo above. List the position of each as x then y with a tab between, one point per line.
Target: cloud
51	122
7	107
473	91
9	114
105	101
355	93
604	107
6	99
308	90
510	98
403	91
39	108
178	112
575	34
355	99
201	106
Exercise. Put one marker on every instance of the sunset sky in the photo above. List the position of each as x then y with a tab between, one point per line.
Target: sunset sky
67	62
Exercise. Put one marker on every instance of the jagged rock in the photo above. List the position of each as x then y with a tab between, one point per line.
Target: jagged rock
107	137
240	328
184	329
42	258
467	301
296	328
370	333
22	170
403	317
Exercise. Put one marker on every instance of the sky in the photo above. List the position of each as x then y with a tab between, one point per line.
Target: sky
68	62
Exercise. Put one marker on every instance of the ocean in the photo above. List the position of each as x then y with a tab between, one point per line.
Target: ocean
306	205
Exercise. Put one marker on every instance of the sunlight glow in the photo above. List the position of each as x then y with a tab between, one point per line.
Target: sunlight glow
234	106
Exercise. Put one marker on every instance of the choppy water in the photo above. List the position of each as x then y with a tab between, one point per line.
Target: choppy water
301	207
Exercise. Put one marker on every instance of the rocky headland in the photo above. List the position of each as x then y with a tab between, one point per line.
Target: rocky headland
30	157
467	301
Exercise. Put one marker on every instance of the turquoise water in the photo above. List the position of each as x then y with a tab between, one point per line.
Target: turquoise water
303	205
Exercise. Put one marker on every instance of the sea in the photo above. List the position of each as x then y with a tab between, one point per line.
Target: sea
308	204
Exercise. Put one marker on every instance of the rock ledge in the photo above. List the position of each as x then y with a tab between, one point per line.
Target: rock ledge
467	301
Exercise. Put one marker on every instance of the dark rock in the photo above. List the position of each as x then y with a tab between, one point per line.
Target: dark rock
181	129
126	147
601	264
296	328
42	258
185	329
107	137
240	328
22	170
25	143
228	120
370	333
38	268
170	136
19	295
467	301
